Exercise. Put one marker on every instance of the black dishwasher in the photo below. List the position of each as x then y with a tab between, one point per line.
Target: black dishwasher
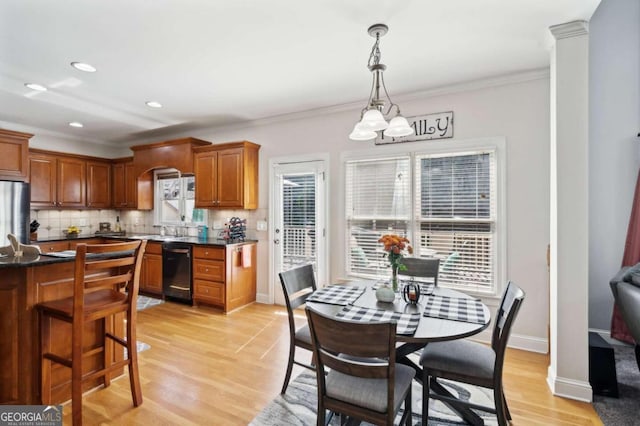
176	271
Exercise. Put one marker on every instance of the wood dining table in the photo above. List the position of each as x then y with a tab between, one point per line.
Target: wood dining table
429	329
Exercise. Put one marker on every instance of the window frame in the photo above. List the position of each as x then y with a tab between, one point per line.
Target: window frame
182	200
430	148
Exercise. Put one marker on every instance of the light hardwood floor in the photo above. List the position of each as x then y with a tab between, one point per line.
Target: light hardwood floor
207	368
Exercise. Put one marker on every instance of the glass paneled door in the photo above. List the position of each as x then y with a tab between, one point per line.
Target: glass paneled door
299	219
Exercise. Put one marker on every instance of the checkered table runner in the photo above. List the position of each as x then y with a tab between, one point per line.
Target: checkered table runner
406	323
336	294
454	308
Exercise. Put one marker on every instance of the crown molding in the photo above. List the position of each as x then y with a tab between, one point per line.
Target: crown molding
569	29
503	80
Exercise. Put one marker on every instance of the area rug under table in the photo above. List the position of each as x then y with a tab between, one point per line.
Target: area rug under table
145	302
298	405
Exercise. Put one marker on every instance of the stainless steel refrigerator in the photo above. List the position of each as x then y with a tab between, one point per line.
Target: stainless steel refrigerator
14	211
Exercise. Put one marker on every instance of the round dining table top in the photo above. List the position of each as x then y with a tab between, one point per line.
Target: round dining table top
429	329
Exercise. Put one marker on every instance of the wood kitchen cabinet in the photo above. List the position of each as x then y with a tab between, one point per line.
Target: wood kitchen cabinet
226	175
68	244
99	184
129	190
224	277
14	147
57	181
69	181
151	270
43	175
72	182
21	288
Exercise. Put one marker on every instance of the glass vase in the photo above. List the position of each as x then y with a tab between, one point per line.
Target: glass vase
394	278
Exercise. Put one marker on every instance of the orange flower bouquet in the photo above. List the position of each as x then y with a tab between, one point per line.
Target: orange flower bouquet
395	246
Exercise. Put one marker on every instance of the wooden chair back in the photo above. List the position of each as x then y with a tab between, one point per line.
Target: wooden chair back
297	286
509	306
360	349
113	266
421	267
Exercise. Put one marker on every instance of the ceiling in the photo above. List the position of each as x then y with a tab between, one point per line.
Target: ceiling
214	63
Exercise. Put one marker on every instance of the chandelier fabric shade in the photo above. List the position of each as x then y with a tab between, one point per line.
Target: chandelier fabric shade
374	116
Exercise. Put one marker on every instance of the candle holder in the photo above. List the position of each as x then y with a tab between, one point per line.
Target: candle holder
411	293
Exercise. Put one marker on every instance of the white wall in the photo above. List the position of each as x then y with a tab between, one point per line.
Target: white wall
517	111
614	147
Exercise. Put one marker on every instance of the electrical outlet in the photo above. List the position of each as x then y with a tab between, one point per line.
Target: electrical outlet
82	222
261	225
217	224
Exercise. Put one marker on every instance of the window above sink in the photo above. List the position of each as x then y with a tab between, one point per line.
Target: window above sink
175	200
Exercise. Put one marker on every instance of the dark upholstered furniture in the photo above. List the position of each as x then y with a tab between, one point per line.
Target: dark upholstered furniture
470	362
297	285
357	371
626	291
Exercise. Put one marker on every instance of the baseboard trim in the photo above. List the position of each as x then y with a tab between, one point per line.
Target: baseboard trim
518	341
263	298
569	388
529	343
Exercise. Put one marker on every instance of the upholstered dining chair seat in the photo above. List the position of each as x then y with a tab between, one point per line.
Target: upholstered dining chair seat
303	335
461	358
369	393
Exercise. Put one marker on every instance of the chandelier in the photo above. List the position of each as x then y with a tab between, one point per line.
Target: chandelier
373	117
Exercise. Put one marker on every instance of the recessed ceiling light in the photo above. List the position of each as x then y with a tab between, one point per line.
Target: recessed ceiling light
76	124
153	104
83	67
36	86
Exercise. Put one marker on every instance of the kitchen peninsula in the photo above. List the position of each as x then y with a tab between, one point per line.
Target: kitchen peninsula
224	277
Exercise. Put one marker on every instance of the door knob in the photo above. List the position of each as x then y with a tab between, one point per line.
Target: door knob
276	241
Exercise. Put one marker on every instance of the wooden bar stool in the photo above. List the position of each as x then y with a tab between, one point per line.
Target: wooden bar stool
106	281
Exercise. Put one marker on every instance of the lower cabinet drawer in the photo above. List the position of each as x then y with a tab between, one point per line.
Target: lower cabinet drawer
208	291
53	246
212	270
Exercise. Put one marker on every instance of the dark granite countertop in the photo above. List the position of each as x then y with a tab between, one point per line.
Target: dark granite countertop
188	240
43	259
149	237
18	262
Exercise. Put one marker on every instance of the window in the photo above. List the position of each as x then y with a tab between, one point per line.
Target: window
455	217
378	202
175	200
444	203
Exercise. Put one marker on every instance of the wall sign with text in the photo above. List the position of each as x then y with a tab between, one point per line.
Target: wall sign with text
430	126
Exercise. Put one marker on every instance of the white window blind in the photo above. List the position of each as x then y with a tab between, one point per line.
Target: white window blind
378	201
455	212
299	218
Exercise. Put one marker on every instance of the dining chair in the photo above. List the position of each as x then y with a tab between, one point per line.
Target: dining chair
297	286
106	283
421	267
472	363
356	370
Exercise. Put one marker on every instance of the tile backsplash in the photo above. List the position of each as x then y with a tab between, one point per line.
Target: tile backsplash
53	222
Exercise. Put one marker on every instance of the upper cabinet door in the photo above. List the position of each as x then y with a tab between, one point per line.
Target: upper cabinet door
98	184
72	182
43	178
14	147
226	175
206	172
230	178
